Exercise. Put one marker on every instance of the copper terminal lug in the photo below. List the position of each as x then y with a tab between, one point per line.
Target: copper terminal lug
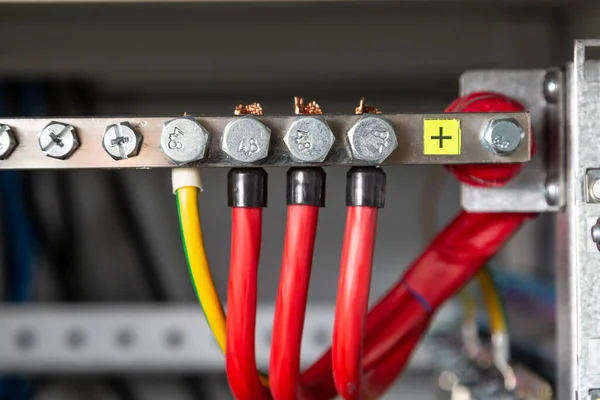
363	108
309	108
252	109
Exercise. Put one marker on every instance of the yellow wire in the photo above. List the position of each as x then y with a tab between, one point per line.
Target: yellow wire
198	263
193	243
491	300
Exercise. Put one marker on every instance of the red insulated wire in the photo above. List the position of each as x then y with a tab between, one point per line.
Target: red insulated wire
445	266
449	263
381	378
290	307
241	304
353	300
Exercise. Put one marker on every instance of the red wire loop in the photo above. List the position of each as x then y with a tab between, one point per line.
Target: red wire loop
241	305
486	175
290	307
353	300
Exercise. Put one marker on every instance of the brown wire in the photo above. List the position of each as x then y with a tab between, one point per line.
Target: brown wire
252	109
310	108
363	108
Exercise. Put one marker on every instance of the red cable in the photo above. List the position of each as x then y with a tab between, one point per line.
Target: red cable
447	264
353	300
241	304
290	307
381	378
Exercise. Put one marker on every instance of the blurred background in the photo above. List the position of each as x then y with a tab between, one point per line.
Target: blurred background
103	244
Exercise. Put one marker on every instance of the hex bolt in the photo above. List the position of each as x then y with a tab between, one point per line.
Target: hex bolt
595	232
122	141
372	139
58	140
246	139
183	140
502	135
8	142
309	139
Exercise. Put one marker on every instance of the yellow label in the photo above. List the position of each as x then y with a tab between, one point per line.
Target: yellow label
441	137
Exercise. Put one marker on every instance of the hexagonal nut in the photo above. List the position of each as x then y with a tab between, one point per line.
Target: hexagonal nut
372	139
8	142
309	139
246	139
184	140
502	135
58	140
122	141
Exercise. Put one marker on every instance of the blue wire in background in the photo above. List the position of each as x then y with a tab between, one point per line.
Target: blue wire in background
18	235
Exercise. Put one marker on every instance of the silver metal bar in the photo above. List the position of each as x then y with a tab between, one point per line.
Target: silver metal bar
143	338
409	130
544	174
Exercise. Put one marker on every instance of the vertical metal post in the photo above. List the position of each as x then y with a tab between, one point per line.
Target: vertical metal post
578	259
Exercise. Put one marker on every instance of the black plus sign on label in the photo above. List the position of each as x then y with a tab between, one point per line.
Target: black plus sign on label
441	137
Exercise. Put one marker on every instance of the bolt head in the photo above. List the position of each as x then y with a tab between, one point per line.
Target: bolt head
552	86
596	233
246	139
502	135
58	140
309	139
184	140
8	142
552	191
122	141
372	139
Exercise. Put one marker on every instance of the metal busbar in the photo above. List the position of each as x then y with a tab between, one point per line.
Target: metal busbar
134	142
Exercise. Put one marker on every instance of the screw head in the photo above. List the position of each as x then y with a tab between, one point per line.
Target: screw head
372	139
8	142
502	135
309	139
183	140
58	140
246	139
552	86
122	141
